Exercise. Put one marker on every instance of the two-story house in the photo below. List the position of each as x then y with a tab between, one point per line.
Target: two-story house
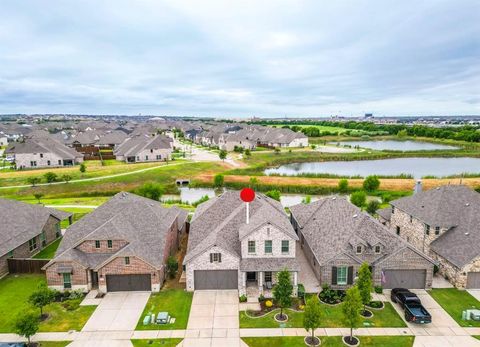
122	245
228	251
337	237
26	229
444	223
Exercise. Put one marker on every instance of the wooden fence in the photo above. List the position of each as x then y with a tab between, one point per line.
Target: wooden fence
26	266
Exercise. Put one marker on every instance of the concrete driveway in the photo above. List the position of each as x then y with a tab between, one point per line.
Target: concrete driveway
213	319
118	312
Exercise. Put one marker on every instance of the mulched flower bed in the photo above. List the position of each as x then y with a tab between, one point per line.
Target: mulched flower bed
351	342
376	305
331	296
309	341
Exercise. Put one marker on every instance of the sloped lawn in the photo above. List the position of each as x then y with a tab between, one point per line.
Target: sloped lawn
49	251
455	301
330	341
176	302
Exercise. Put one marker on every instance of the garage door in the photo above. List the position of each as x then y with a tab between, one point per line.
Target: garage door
473	280
216	279
410	279
125	283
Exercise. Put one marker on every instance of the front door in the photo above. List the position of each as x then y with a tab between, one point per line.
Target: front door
94	276
251	276
67	281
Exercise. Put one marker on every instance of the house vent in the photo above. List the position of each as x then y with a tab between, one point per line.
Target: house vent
334	198
355	215
467	204
467	233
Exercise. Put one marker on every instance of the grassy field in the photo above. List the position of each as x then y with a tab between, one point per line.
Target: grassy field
330	341
331	318
54	343
156	342
61	319
49	251
455	301
176	302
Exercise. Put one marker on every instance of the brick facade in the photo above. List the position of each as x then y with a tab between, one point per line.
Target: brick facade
89	246
79	276
268	232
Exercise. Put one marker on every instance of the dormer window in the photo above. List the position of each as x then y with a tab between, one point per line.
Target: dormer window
359	249
378	249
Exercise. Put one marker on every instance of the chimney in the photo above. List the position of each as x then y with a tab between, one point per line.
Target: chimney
418	187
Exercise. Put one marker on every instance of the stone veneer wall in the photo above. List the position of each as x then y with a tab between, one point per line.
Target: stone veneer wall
260	236
341	260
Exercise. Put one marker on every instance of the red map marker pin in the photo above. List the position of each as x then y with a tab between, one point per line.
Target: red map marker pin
247	194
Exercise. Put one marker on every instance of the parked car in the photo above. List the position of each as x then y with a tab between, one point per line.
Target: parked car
12	344
412	306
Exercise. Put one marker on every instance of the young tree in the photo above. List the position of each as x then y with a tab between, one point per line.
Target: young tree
307	199
276	150
222	154
274	194
311	318
371	183
172	266
343	185
248	153
351	306
26	325
283	290
151	190
66	178
218	180
402	133
358	198
38	196
253	182
41	297
373	206
50	177
34	180
83	168
365	286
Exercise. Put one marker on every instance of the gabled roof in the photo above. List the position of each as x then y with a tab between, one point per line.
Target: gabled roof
334	226
134	145
20	222
143	223
454	207
221	221
115	137
42	144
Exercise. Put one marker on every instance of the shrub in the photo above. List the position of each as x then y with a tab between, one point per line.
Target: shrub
435	269
268	303
172	266
274	194
34	180
331	296
343	185
71	305
83	168
373	206
301	307
378	289
375	304
151	190
222	154
358	198
218	180
243	298
261	298
301	290
248	153
50	177
76	294
201	200
371	183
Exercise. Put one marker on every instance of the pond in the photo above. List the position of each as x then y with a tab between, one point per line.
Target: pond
394	145
417	167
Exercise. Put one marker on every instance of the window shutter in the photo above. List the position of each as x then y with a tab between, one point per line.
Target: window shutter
211	257
219	257
350	275
334	275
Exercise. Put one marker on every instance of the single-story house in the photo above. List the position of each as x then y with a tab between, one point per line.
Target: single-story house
144	148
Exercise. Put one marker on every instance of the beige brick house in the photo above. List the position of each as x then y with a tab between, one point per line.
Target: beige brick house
121	246
226	252
26	229
142	148
337	237
444	223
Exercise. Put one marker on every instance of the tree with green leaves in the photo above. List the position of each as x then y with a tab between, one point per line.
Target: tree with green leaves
248	153
66	178
402	133
311	319
83	168
365	285
283	290
34	181
218	180
38	196
274	194
276	150
371	183
253	181
50	177
373	206
26	325
222	154
41	297
307	199
172	266
151	190
343	185
358	198
351	306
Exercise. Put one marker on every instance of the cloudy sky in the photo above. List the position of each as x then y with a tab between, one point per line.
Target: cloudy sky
240	58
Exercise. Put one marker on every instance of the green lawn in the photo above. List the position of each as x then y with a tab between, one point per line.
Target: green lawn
331	318
455	301
156	342
54	343
14	293
331	341
61	319
176	302
49	251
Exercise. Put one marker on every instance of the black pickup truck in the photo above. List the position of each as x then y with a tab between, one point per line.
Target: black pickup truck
411	304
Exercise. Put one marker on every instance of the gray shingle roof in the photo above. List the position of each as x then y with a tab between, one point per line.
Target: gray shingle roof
20	222
142	222
221	221
133	145
455	207
334	226
43	145
385	213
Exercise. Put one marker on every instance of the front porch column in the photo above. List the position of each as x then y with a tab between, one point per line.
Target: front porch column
295	283
260	282
295	278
